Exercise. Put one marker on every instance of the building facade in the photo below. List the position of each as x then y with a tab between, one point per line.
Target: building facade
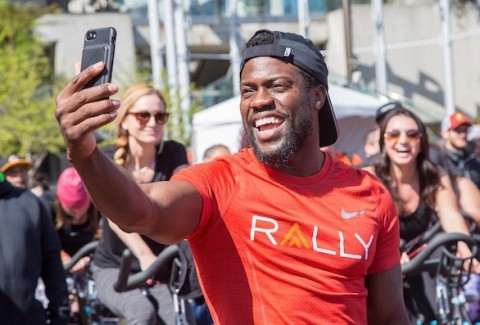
415	67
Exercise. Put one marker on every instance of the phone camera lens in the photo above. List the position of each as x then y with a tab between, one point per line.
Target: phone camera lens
91	35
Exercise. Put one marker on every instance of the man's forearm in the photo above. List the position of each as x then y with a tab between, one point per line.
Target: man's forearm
113	190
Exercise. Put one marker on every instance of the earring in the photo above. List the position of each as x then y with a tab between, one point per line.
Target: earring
2	177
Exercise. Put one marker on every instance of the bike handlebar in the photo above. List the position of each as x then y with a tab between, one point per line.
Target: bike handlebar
435	229
86	250
127	281
419	263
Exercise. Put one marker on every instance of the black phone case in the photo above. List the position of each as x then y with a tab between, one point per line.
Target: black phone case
99	45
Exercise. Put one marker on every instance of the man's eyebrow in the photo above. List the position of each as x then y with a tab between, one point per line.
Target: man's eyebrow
246	83
267	80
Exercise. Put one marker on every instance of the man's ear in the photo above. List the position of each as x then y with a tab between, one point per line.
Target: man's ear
320	93
444	134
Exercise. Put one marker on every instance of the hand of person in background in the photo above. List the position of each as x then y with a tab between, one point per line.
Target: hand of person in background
81	266
464	251
81	111
146	260
404	258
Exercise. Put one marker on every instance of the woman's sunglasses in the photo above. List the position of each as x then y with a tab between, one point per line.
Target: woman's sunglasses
394	135
144	117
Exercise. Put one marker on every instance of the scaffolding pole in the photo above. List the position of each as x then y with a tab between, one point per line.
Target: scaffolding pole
379	48
449	97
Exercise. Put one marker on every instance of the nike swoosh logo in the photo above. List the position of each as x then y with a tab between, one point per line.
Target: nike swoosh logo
348	215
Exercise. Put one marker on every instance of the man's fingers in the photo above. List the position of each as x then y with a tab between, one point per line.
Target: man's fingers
95	94
81	111
90	117
81	79
88	102
78	66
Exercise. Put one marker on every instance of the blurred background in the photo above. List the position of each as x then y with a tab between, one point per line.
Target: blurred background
420	52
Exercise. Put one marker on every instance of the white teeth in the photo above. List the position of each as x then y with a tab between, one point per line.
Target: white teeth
267	120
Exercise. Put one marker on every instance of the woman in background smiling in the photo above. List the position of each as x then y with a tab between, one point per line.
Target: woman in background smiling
421	192
143	152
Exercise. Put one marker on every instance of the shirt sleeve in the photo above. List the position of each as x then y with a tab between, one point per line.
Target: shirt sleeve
215	181
180	157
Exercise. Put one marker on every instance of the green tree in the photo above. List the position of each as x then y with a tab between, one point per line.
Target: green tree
181	130
27	121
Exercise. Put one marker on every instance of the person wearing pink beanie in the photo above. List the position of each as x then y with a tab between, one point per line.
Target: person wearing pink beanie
71	192
76	218
76	221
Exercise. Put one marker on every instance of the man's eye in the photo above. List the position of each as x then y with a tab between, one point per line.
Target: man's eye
246	91
278	86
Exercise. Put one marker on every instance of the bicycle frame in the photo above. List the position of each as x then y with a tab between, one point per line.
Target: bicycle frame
450	275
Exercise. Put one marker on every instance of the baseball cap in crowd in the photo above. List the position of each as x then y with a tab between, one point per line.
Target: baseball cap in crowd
384	109
70	190
454	120
301	52
14	161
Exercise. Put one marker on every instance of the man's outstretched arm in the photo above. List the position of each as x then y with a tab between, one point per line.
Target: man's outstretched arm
174	209
385	304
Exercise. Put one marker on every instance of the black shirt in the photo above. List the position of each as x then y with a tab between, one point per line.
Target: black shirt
110	248
458	163
417	223
29	249
74	237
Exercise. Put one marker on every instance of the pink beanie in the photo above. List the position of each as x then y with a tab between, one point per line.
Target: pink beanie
70	190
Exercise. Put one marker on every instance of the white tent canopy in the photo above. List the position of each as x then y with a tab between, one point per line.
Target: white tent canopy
222	123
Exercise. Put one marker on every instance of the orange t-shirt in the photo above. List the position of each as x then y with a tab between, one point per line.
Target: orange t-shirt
273	248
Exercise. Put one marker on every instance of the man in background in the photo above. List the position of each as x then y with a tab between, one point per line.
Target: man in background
29	250
458	156
16	170
217	150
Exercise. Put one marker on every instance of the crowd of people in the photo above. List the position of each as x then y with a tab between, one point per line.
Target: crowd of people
287	230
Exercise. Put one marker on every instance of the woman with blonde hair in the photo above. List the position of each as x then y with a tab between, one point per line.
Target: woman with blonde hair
143	152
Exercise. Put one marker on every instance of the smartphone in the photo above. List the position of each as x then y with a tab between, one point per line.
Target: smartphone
99	45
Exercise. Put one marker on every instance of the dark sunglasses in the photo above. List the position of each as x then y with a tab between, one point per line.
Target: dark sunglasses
144	117
394	135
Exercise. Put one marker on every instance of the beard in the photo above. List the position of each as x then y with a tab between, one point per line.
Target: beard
282	157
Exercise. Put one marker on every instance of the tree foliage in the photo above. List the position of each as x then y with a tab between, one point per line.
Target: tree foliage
27	121
180	124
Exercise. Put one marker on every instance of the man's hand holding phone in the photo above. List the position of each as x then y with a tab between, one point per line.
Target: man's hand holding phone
83	105
81	111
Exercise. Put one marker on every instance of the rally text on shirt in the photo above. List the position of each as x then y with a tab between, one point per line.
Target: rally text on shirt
295	238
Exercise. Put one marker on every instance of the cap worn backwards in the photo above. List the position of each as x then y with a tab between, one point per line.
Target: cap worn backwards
384	109
302	53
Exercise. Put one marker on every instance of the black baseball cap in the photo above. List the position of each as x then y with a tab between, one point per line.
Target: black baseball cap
385	108
301	52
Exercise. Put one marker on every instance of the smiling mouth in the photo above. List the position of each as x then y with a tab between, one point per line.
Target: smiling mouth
267	123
